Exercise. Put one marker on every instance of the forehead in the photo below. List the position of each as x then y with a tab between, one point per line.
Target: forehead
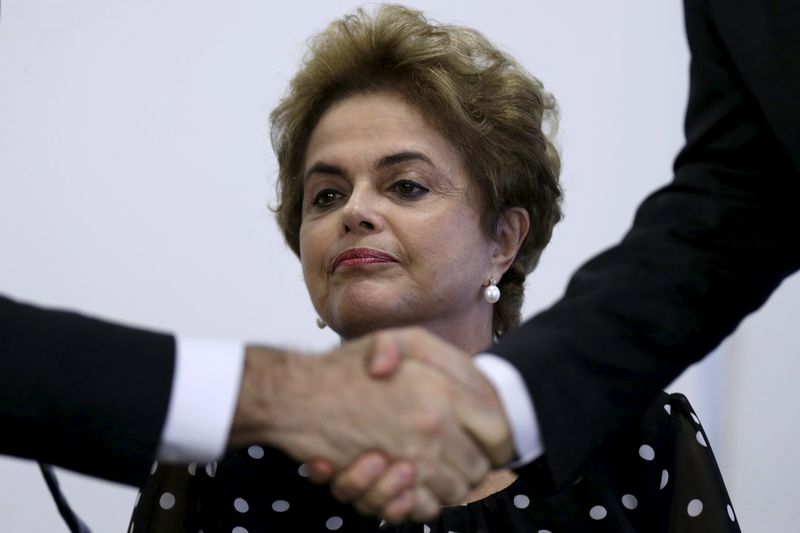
367	127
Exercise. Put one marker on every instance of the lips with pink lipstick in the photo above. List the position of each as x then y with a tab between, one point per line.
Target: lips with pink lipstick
361	256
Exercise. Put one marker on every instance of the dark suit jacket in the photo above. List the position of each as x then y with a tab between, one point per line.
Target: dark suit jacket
703	252
81	393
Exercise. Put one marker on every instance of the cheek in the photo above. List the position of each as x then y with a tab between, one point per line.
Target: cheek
309	254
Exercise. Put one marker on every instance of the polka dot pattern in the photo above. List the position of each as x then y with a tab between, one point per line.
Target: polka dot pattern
630	502
256	452
334	523
521	501
258	488
694	508
700	438
241	505
280	506
167	501
646	452
598	512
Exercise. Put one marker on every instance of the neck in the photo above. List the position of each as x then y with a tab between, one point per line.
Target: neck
471	334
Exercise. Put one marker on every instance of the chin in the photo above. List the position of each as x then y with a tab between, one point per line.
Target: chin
363	316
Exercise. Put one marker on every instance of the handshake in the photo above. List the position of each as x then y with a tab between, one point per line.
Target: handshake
399	422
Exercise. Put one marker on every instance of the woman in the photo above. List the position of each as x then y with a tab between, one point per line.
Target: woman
418	185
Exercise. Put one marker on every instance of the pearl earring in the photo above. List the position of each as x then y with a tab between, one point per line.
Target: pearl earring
491	293
321	323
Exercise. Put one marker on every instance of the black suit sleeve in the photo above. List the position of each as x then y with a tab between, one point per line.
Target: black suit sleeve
81	393
703	252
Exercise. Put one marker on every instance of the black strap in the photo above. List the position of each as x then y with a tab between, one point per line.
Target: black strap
74	523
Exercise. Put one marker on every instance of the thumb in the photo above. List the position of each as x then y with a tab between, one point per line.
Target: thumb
385	357
320	470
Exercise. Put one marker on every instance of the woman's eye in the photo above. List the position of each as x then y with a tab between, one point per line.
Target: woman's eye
325	197
409	189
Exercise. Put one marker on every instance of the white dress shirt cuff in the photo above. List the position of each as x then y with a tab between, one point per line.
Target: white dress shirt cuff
205	389
517	404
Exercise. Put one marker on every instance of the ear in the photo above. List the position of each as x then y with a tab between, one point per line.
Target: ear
512	228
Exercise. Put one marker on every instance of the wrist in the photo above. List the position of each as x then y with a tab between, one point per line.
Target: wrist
266	370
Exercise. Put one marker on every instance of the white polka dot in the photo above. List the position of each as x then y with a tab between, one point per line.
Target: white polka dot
646	452
280	506
303	470
153	468
668	408
694	417
256	452
333	523
240	504
544	531
239	529
426	528
130	529
192	468
694	508
138	495
166	501
730	513
598	512
701	439
211	469
630	502
664	479
521	501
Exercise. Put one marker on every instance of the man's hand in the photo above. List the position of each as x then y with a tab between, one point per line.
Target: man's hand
375	485
330	407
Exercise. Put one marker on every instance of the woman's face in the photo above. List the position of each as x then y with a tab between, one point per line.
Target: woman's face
390	234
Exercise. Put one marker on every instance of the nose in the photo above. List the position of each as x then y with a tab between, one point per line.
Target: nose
361	213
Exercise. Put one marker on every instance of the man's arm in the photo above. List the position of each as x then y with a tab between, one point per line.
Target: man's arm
82	393
93	396
703	252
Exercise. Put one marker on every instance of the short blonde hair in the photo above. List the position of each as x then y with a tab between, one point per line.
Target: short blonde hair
495	113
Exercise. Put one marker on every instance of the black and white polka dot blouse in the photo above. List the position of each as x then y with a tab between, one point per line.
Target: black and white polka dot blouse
659	476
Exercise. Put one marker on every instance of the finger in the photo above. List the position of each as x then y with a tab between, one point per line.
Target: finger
356	478
397	479
385	357
463	455
399	508
320	471
445	483
426	507
486	422
478	407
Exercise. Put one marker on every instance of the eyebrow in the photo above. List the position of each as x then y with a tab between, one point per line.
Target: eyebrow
321	167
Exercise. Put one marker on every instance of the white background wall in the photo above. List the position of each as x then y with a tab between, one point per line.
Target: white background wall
135	175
